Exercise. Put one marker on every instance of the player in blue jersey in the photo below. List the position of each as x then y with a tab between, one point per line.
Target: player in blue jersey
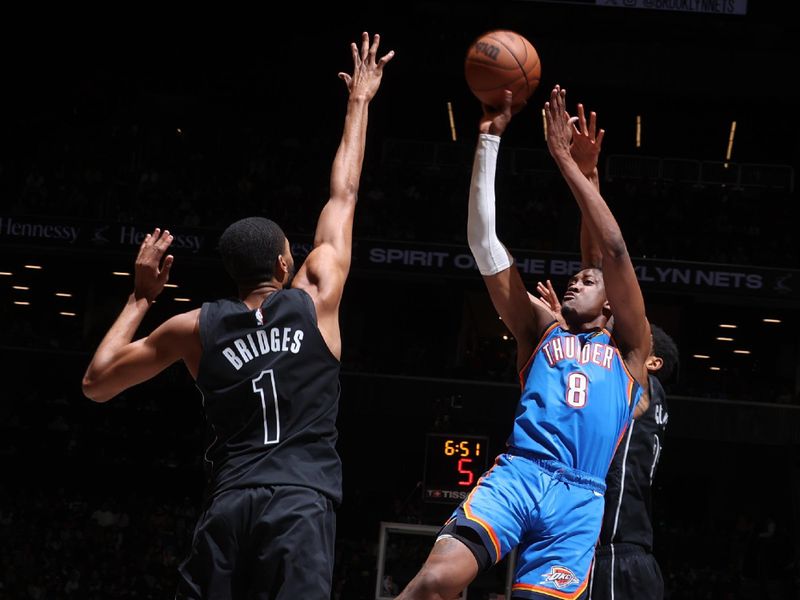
580	388
267	364
624	566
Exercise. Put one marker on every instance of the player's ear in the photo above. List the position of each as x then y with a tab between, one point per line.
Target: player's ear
607	309
653	363
281	268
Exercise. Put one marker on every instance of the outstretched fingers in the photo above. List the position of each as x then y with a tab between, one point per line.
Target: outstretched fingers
346	77
365	47
373	49
373	52
582	127
151	271
556	103
155	244
163	275
366	76
385	59
599	138
161	246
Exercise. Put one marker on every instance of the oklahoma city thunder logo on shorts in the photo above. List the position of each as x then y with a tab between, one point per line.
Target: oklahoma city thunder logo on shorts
561	576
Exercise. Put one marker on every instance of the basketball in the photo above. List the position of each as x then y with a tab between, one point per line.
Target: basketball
502	60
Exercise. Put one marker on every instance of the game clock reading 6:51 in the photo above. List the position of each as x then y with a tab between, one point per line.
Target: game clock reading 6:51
453	464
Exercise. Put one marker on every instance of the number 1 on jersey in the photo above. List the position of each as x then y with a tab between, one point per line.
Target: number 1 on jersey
269	407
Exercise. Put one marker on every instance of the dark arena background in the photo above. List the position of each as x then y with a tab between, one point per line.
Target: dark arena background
116	123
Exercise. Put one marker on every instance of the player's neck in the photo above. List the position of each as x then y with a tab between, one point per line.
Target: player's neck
597	323
254	296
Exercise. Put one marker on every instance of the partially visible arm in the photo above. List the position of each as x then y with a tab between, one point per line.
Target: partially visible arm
524	319
591	253
325	270
585	150
548	299
631	329
120	363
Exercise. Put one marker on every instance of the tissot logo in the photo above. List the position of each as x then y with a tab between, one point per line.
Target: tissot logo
448	494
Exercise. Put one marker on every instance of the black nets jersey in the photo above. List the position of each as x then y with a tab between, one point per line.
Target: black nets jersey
270	390
627	516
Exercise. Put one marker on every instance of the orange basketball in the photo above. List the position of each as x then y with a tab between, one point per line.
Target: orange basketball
502	60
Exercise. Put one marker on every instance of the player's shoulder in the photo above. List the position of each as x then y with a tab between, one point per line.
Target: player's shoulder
302	300
180	333
321	260
185	322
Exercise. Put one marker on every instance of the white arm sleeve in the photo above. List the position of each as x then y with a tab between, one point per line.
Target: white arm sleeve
490	255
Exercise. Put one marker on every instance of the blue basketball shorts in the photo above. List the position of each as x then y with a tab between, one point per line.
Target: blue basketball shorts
550	512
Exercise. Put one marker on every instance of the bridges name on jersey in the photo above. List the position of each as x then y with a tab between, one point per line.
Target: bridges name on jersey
262	342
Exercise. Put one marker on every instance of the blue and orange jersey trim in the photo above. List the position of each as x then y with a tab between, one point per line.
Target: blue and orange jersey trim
542	338
633	384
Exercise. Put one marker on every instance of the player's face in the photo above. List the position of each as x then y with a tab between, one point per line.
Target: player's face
585	297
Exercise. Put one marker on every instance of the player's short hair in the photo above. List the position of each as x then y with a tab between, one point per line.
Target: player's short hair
249	249
665	348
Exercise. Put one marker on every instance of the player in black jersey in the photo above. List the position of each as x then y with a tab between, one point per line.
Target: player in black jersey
267	365
624	567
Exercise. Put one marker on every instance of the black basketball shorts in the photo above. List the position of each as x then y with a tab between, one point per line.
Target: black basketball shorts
265	543
625	572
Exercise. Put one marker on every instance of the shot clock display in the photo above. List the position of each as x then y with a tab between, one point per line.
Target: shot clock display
453	464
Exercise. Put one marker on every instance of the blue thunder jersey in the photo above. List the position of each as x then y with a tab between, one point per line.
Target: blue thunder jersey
577	400
270	390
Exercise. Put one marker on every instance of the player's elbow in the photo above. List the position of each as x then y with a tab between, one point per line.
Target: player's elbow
344	191
92	389
614	247
477	243
479	237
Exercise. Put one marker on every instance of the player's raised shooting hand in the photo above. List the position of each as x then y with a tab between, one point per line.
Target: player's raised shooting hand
151	273
495	120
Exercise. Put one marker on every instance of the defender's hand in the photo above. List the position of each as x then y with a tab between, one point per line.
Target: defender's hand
151	273
586	142
366	77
